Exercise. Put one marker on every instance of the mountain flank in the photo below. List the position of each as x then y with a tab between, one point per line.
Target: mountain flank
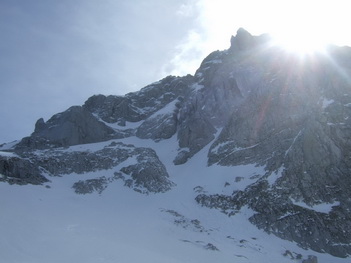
254	103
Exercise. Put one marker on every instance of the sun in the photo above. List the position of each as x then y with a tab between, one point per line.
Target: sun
305	27
302	42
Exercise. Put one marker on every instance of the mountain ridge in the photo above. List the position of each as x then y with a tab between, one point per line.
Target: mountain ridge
251	104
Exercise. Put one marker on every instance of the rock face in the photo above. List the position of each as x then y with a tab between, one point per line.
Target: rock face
140	168
16	170
148	173
74	126
138	106
251	104
161	125
92	185
296	124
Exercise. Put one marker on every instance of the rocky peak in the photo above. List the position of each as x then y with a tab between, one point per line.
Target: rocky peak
71	127
243	40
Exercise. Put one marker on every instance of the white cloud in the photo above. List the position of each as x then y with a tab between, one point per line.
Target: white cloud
186	10
187	55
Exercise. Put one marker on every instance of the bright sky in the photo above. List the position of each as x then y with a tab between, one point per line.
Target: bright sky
55	54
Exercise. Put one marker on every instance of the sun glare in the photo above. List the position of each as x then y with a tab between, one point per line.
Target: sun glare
301	27
301	43
307	27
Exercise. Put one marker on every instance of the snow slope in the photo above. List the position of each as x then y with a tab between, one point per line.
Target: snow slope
54	224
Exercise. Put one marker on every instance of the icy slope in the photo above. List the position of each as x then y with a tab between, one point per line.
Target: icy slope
54	224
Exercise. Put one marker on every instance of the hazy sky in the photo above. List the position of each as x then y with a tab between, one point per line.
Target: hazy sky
58	53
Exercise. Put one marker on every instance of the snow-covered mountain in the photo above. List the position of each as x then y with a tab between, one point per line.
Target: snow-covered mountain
246	161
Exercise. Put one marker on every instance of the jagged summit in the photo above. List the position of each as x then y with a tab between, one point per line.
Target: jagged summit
245	106
245	41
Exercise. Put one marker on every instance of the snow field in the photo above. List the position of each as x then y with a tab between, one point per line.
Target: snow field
39	224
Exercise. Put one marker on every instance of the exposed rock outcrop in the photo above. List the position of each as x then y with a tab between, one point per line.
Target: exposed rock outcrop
16	170
140	166
92	185
161	125
138	106
148	174
71	127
